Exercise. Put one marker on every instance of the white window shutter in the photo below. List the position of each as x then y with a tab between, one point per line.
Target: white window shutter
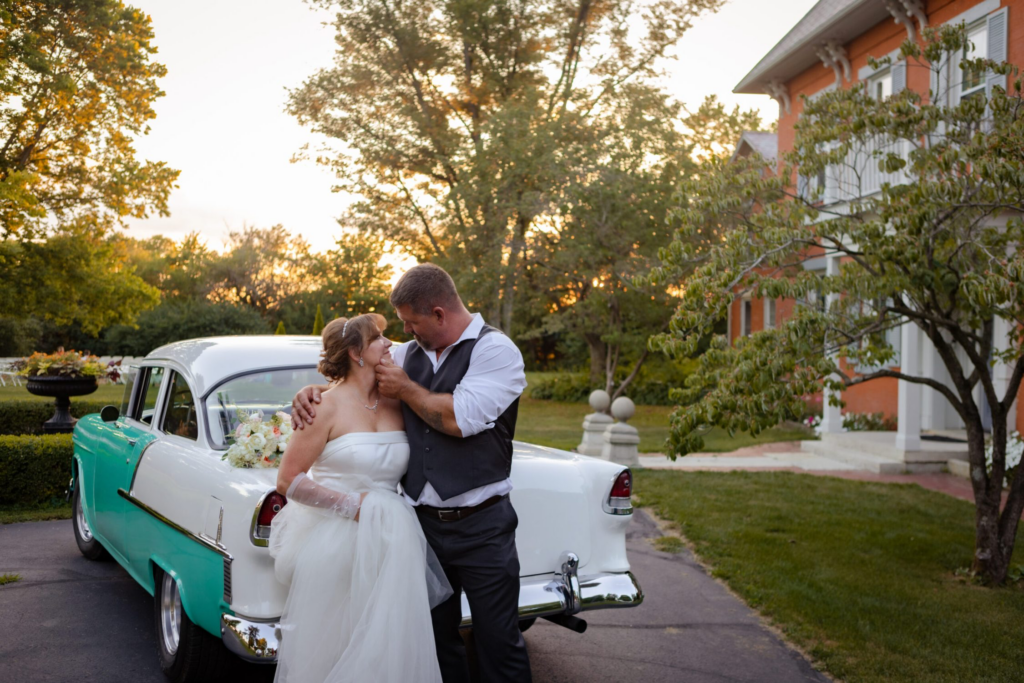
899	76
997	25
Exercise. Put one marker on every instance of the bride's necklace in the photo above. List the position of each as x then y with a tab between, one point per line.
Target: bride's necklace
374	406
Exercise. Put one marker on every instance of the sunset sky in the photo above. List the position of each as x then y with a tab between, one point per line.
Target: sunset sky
222	122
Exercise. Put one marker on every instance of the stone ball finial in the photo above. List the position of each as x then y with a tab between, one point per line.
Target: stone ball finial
599	400
623	409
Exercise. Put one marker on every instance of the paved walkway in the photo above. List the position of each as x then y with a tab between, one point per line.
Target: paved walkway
786	456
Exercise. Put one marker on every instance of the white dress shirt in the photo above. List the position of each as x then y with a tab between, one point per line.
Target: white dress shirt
494	380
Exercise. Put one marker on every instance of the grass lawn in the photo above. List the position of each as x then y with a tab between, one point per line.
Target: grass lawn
861	575
110	393
41	513
560	425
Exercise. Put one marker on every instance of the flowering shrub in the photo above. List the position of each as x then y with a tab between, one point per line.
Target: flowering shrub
869	422
1014	451
257	443
70	364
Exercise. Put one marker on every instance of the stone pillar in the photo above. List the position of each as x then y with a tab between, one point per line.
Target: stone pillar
831	416
908	431
621	440
595	424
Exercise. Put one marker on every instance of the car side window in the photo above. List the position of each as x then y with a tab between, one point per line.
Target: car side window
180	410
129	384
146	405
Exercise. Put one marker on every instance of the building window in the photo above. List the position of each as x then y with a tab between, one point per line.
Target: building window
880	86
745	318
769	314
974	79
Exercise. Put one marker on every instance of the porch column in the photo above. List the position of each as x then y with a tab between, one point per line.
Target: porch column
831	416
933	404
908	431
1002	329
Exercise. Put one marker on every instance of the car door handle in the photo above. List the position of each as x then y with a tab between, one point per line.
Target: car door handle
132	442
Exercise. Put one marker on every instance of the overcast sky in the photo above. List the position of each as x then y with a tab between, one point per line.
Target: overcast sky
222	121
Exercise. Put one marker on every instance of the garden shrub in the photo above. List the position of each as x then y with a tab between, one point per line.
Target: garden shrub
869	422
34	469
27	417
651	388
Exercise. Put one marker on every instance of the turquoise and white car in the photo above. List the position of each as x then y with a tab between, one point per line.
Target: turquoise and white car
150	489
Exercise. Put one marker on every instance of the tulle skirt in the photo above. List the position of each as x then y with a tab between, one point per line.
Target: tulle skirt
358	605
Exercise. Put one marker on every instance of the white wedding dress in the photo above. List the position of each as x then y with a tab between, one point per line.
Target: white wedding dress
358	605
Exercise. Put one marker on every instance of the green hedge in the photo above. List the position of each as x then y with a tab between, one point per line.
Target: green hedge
34	469
575	387
27	417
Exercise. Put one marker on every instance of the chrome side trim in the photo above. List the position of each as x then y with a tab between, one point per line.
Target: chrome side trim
253	641
201	539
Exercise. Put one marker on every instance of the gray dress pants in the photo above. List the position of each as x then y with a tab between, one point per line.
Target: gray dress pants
478	555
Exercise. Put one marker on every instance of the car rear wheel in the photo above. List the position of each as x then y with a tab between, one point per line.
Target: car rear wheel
87	543
188	654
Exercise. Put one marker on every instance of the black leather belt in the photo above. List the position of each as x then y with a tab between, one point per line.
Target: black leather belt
455	514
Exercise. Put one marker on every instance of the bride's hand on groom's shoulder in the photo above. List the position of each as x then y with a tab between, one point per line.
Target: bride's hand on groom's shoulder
303	410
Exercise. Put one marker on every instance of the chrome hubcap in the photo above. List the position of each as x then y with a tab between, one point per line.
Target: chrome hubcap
83	526
170	614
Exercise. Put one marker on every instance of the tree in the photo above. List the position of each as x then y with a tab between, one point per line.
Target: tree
460	124
181	319
938	248
280	328
613	223
318	322
76	86
74	276
261	268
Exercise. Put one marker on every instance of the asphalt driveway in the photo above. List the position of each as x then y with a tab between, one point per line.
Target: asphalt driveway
70	619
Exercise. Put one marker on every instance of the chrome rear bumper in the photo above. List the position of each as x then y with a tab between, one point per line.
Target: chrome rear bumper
540	596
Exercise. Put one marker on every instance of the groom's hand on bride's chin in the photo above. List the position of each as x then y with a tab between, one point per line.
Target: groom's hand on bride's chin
303	411
391	379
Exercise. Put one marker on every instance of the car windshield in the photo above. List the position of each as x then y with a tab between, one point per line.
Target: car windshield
268	391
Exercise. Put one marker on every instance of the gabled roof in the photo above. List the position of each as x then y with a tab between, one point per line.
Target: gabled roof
840	20
765	144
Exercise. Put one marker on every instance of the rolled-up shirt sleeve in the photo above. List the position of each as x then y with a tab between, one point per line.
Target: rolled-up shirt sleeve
494	380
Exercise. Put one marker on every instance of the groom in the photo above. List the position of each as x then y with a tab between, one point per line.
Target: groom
459	384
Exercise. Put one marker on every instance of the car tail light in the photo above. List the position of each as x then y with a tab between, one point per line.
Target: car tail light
619	502
272	504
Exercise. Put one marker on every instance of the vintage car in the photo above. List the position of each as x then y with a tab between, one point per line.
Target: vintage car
150	489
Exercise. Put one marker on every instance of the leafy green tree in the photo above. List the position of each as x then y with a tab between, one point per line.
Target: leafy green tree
460	124
260	269
76	275
939	248
318	322
613	223
182	319
77	84
280	328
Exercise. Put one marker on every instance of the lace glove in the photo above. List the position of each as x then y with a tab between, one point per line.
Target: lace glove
306	491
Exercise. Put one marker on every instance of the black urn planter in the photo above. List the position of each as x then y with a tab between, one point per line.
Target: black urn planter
61	389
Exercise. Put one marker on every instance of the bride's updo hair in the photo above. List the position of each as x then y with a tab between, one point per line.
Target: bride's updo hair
339	339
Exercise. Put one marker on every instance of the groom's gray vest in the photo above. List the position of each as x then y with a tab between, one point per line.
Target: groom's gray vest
451	464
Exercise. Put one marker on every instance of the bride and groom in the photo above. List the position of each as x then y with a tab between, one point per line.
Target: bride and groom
375	577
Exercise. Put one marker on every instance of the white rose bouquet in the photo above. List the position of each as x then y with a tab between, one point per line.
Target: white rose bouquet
258	443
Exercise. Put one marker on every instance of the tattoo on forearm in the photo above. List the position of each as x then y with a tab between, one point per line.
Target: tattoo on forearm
434	418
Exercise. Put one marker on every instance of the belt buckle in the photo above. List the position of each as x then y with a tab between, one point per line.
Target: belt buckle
450	515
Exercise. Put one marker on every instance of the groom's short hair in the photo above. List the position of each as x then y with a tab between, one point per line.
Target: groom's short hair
423	287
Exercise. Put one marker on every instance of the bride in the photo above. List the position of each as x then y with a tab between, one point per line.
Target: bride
348	546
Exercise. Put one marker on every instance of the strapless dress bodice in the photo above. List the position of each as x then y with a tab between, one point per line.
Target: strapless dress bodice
363	460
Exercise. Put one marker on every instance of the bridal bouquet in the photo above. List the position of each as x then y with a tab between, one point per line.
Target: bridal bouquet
258	443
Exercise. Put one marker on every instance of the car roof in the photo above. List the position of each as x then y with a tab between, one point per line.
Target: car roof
208	361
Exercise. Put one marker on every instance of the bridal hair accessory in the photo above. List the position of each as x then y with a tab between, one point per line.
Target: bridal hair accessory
343	328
